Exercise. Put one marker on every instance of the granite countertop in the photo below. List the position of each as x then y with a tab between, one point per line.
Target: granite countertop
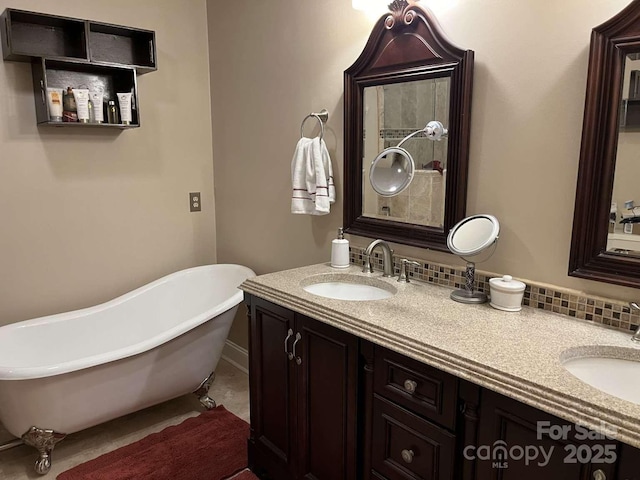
517	354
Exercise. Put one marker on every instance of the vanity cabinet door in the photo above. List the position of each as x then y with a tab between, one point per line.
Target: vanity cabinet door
508	429
327	401
272	443
628	463
303	379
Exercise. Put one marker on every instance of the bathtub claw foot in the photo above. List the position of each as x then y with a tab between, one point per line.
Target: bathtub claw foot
207	402
43	464
203	390
42	440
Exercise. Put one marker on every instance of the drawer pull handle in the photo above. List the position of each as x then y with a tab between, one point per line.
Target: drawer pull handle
410	386
599	475
407	456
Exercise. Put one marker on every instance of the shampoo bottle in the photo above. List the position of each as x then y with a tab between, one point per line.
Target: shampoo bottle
340	251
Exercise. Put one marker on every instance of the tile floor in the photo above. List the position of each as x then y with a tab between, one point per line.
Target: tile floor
231	389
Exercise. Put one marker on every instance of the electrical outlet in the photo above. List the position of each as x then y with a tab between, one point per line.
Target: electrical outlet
195	205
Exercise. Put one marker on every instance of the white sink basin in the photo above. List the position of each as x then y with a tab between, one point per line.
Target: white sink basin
613	370
348	287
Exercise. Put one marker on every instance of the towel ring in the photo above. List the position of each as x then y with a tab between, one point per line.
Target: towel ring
322	117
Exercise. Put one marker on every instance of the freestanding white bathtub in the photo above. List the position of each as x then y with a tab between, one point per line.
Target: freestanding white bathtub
63	373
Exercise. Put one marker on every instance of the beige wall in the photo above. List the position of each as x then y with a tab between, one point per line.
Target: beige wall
274	62
86	215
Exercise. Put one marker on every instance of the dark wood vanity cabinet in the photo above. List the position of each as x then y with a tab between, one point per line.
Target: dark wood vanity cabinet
628	465
558	450
327	405
413	419
304	388
421	418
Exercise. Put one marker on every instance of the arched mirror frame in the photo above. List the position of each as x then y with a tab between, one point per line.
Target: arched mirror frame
611	42
408	45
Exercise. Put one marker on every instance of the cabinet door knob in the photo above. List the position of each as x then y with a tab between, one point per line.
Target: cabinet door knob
407	456
286	343
410	386
599	475
298	359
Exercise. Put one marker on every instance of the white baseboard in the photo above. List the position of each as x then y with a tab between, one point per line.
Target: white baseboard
236	356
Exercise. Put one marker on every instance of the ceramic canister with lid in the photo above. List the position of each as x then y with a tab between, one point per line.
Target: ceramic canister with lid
506	293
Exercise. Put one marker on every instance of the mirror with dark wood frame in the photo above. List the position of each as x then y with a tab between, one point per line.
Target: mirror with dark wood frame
603	240
406	57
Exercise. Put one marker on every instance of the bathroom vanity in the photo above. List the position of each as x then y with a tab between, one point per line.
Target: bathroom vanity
416	386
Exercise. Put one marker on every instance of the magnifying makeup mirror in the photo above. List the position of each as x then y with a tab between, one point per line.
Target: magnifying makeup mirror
392	170
470	237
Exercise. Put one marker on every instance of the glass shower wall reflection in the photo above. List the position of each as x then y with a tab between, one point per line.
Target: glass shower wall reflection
391	112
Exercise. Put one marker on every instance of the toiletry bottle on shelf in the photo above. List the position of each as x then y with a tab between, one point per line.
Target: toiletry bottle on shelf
92	114
340	251
70	109
54	98
112	112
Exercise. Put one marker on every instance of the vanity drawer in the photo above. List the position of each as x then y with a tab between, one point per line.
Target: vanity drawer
407	447
424	390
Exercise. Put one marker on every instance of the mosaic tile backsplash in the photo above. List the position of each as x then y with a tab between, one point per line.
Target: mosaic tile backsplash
607	312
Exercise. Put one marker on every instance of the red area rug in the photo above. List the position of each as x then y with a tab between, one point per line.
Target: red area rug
211	446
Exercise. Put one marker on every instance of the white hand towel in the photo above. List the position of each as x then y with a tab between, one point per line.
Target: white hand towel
326	159
325	190
303	179
312	178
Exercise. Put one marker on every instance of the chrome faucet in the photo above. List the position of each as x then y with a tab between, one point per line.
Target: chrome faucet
387	258
404	270
636	336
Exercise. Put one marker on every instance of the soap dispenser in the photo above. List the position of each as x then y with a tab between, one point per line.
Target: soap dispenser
340	251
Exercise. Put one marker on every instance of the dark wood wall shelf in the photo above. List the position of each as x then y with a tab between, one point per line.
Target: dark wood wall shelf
87	125
113	44
26	35
110	80
69	52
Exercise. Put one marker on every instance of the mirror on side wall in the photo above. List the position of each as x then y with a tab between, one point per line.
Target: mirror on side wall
409	74
605	244
623	237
